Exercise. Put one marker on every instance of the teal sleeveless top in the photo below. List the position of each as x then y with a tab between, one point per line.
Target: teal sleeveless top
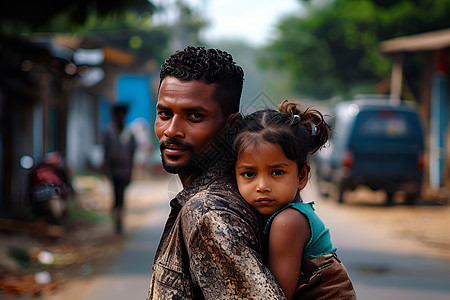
320	242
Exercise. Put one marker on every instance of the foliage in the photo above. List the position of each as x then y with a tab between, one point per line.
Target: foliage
30	16
332	49
125	25
188	25
133	33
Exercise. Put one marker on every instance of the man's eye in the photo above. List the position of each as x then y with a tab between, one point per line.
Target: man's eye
248	174
278	172
196	117
164	114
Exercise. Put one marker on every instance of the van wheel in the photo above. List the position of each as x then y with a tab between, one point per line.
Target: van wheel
411	199
389	198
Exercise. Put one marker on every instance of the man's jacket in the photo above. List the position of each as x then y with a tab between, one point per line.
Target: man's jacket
211	246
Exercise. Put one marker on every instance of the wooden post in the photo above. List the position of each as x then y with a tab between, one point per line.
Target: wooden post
45	103
396	78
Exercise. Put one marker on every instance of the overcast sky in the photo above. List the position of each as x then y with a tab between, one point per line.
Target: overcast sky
249	20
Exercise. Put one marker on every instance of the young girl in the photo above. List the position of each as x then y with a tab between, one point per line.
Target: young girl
272	149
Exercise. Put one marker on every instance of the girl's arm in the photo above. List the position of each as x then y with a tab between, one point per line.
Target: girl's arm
289	233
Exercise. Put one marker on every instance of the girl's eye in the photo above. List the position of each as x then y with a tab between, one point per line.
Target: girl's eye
248	174
196	117
278	172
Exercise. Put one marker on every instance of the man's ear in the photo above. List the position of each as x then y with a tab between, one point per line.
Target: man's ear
303	177
231	126
233	119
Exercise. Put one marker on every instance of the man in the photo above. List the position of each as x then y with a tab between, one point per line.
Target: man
211	244
119	146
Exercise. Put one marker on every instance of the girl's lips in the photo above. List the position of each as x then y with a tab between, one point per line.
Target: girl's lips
264	201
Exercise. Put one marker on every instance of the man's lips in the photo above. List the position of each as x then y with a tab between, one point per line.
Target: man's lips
174	147
173	150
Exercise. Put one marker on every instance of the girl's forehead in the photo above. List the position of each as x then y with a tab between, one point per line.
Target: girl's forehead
264	155
253	140
261	148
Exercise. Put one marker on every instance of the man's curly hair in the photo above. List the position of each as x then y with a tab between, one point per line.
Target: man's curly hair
212	66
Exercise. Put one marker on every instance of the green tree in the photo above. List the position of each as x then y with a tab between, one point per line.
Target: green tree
30	16
188	24
132	32
125	25
332	49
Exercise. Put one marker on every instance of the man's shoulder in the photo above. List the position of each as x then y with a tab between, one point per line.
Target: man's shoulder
217	207
217	194
221	196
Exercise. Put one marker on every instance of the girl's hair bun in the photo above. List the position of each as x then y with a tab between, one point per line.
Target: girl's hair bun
311	119
289	107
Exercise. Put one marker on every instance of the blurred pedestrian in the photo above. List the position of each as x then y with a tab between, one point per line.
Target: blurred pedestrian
119	147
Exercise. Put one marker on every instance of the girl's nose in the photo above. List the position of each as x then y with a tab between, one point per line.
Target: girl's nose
174	129
263	186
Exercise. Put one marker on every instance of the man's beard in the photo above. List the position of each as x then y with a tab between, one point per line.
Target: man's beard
191	166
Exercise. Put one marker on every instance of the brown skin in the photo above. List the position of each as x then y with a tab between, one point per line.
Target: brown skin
186	112
289	234
268	180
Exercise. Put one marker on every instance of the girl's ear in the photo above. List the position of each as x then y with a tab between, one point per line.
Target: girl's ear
303	177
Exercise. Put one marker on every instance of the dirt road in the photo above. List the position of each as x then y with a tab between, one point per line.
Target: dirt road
419	231
391	252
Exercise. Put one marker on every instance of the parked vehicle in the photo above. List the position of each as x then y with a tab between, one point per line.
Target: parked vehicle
376	144
49	188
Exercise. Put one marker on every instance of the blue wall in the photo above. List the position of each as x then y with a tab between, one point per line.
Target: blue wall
136	91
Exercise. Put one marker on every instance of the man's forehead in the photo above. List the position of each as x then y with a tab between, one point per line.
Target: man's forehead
187	95
171	82
171	104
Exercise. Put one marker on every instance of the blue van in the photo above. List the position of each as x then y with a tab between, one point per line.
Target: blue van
377	144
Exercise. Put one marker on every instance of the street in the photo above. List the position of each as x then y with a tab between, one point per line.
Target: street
383	254
85	82
129	276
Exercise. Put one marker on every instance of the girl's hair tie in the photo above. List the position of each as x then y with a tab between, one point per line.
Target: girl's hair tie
313	128
295	119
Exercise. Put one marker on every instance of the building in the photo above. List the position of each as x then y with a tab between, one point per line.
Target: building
55	94
434	102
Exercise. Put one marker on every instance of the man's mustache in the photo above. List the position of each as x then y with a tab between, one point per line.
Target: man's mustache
175	142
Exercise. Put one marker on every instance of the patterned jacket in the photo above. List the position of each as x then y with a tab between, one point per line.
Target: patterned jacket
211	246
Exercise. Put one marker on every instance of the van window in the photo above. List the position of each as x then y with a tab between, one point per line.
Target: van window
384	124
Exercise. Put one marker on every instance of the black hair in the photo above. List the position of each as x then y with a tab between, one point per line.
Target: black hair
119	108
212	66
300	133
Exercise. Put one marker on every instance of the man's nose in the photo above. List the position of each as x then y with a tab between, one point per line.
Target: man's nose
263	185
175	128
